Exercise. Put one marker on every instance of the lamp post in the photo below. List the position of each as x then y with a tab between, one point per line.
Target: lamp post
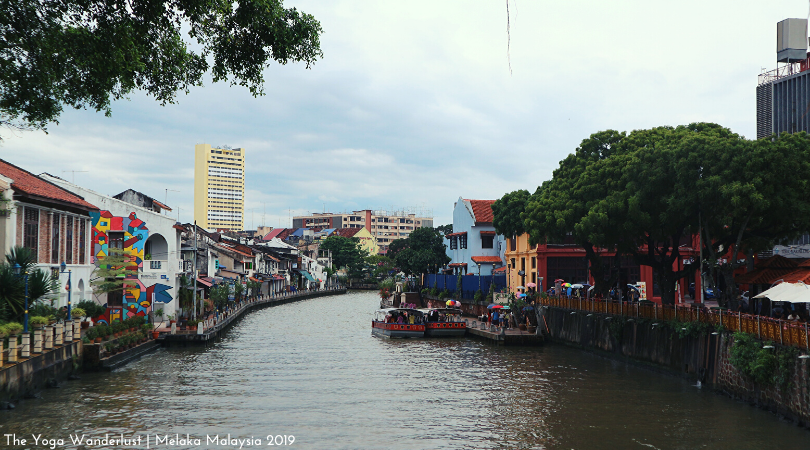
17	270
62	268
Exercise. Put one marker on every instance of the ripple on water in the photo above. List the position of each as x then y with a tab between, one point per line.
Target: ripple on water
312	369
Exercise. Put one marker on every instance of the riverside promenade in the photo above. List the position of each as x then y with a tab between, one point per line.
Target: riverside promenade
213	327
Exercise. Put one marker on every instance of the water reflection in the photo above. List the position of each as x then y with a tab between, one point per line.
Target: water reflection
313	370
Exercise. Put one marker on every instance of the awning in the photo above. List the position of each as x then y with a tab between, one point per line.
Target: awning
255	279
457	265
788	292
457	234
308	275
204	283
487	233
487	259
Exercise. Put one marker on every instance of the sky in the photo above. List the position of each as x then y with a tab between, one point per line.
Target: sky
418	103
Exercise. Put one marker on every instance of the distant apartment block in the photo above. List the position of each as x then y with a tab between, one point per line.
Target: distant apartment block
385	226
219	187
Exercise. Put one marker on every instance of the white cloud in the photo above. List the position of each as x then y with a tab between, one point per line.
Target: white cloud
414	105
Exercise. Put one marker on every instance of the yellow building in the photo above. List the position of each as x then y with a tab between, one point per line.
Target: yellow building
368	242
521	263
219	187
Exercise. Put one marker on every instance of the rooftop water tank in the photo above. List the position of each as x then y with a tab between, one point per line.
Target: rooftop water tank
791	40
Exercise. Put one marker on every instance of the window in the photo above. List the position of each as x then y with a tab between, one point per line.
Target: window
31	230
115	299
69	240
513	263
523	264
116	240
487	241
534	263
55	238
82	237
513	243
462	241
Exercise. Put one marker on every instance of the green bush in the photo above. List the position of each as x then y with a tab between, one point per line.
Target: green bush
479	296
38	321
13	328
91	333
765	366
91	308
77	313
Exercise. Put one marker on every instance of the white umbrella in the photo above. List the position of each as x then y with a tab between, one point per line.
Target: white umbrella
577	286
788	292
520	287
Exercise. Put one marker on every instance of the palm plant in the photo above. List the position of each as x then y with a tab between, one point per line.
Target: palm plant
12	287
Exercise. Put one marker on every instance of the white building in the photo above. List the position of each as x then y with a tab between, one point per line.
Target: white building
151	240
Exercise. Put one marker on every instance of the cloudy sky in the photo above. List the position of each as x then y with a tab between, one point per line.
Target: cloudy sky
414	103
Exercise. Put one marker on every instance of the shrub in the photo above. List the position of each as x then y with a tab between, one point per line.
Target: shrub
91	333
763	365
13	328
38	321
3	333
479	296
77	312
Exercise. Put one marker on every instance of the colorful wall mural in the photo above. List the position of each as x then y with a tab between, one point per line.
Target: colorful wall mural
138	298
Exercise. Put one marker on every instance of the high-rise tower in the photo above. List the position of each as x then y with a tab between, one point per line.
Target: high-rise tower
219	187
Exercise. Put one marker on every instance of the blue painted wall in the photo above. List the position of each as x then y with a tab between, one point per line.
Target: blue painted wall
463	220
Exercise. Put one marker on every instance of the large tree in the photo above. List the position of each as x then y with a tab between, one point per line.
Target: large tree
508	213
555	209
85	53
654	189
424	251
346	253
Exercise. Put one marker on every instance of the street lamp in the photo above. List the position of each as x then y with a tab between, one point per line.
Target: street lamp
62	268
17	269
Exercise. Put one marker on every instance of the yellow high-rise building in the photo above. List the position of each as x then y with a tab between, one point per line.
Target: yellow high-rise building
219	187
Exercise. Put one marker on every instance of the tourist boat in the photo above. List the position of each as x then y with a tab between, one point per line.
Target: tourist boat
441	322
385	323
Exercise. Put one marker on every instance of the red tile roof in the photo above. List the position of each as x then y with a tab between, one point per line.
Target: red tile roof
487	259
27	183
499	269
457	265
487	233
768	271
346	232
777	261
482	210
456	234
801	274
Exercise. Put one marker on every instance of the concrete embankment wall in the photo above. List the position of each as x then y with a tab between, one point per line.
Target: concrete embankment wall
704	357
35	373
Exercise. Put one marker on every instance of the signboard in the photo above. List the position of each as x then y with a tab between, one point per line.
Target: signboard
642	290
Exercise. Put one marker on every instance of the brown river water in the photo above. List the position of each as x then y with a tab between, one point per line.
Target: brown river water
310	375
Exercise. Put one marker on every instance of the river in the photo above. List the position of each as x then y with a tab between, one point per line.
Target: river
312	370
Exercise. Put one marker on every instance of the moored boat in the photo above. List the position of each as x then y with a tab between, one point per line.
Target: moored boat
440	322
398	323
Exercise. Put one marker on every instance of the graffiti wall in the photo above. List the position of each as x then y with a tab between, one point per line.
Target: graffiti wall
129	233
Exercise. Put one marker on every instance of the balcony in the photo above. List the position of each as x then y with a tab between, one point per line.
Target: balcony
155	265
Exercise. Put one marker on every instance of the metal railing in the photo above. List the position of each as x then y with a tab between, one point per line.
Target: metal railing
784	332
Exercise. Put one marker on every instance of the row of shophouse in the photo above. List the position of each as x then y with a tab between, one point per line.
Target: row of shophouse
61	222
475	249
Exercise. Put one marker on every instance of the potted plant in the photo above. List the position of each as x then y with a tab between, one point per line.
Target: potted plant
159	313
38	321
171	319
13	328
77	313
192	324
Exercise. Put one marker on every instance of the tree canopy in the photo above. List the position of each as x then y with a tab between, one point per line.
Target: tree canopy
422	252
645	194
86	53
346	253
507	213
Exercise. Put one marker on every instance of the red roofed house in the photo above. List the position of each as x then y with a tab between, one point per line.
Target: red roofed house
53	222
473	246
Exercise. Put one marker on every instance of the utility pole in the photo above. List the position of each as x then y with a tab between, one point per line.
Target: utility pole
73	174
166	198
194	314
